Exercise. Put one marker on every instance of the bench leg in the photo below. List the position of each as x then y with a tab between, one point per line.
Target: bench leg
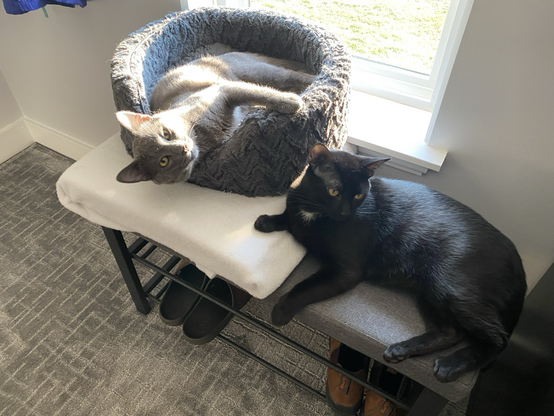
428	403
127	268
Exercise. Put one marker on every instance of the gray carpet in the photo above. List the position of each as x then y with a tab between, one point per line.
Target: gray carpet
72	343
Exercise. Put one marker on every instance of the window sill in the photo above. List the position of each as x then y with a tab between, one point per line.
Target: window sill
380	127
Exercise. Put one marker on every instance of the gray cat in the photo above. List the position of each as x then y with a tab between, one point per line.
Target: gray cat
198	105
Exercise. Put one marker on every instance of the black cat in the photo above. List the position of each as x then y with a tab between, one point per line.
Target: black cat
467	276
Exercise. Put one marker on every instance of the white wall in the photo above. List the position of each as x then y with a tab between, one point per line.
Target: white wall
58	67
496	117
9	110
497	120
14	135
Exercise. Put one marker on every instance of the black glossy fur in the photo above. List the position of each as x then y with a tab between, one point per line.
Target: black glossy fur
467	276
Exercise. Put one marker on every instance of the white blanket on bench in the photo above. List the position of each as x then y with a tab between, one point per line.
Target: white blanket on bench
213	229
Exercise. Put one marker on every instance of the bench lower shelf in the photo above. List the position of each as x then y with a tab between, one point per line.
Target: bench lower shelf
408	395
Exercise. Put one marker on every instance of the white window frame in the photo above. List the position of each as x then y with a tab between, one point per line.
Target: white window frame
409	87
412	98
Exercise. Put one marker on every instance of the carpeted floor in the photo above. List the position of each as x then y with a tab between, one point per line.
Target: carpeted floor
72	342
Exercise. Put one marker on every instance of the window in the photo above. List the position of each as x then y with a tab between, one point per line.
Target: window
399	46
403	51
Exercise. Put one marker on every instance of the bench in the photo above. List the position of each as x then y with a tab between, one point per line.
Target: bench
215	231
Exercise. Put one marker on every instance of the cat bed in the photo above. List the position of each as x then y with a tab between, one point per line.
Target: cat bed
213	229
268	150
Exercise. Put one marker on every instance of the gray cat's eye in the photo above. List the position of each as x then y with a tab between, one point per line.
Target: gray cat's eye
164	161
333	192
166	134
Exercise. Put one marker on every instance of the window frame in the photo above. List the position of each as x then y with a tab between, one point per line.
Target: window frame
388	81
403	92
410	87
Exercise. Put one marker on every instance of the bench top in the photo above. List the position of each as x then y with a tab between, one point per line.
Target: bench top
369	318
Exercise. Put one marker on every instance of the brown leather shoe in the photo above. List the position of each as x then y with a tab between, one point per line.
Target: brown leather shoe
344	395
375	405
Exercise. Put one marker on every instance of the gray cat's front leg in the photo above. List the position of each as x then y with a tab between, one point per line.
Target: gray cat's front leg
242	93
276	73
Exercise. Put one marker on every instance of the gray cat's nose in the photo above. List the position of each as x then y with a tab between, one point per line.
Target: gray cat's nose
187	150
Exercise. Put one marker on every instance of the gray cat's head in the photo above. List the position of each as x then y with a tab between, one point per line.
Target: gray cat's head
163	150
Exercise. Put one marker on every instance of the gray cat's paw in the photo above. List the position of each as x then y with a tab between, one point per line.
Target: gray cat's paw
288	104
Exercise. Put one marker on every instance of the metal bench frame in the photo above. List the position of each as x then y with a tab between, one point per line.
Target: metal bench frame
420	402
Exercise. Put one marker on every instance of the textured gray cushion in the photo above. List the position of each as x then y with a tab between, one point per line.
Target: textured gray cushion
368	318
269	150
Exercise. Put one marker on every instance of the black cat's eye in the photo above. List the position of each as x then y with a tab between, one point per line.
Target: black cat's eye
166	134
164	161
358	196
333	192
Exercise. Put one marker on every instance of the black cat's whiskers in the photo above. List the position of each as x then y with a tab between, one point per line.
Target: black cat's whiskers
303	201
308	217
372	212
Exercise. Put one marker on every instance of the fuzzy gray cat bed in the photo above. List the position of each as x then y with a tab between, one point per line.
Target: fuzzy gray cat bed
268	150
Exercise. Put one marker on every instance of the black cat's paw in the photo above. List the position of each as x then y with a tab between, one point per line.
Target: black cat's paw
265	224
279	315
449	368
396	353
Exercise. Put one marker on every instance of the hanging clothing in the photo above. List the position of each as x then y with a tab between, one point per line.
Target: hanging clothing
24	6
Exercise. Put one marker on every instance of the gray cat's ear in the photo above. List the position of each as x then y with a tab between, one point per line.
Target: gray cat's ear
133	173
131	121
319	155
369	164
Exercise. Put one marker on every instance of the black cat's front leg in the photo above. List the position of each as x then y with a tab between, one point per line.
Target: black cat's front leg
326	283
270	223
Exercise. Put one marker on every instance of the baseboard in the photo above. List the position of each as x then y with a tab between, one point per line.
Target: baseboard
14	138
57	141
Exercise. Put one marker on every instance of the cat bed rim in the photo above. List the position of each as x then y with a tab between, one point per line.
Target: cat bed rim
326	100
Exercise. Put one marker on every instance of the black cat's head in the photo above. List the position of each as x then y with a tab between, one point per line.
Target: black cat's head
162	152
335	183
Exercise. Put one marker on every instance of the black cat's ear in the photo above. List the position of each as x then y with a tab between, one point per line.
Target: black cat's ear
369	164
319	155
133	173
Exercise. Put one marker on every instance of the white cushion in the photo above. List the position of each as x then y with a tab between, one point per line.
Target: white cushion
212	228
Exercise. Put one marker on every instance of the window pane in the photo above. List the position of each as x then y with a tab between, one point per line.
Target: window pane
402	33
